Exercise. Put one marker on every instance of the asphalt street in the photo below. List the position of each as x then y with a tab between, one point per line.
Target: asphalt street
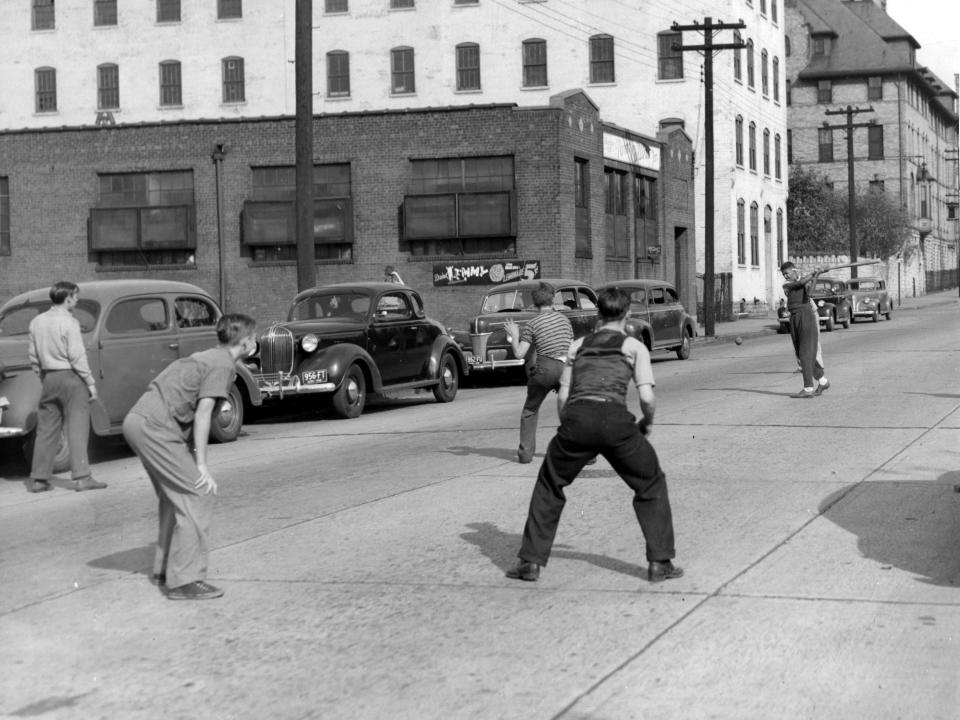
363	559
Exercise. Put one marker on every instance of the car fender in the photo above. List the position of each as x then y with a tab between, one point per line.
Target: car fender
641	330
442	344
246	381
337	359
826	309
21	388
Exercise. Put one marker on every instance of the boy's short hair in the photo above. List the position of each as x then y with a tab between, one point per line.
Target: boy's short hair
787	266
233	328
61	290
543	294
613	303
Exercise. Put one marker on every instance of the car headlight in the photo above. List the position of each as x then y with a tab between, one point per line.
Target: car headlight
309	343
819	303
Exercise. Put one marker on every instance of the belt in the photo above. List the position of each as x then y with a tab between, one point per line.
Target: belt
593	398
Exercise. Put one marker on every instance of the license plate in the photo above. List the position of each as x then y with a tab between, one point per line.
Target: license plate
312	377
477	360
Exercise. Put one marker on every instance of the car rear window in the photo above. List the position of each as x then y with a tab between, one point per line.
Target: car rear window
16	320
510	301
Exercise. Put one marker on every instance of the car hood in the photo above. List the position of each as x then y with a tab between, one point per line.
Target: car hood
326	327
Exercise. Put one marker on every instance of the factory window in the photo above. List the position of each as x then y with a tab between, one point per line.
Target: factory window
108	87
751	79
229	9
825	145
402	81
741	239
336	6
601	59
753	146
104	12
669	59
739	140
825	91
233	82
168	10
766	152
338	73
764	74
754	234
43	15
170	84
777	161
46	89
775	72
581	203
875	140
4	216
468	66
399	4
737	58
535	63
875	88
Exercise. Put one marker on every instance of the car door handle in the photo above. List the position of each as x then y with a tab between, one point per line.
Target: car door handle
173	346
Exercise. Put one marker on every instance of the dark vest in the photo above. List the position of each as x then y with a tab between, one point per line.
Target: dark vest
600	369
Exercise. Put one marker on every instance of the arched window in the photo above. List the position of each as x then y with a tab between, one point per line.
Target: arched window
739	140
751	81
468	66
764	74
766	152
777	162
753	146
737	63
171	92
741	230
775	71
535	63
754	234
786	45
779	237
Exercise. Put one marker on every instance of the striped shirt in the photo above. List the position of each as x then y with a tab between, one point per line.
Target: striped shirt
550	333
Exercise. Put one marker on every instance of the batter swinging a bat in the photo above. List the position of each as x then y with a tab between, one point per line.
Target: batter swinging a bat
804	329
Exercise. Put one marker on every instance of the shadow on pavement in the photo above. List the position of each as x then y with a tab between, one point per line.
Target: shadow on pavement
49	705
500	453
501	549
912	526
135	560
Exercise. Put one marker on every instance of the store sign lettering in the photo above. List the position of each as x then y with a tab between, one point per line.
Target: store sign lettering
485	273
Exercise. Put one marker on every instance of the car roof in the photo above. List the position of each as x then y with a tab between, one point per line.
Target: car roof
532	284
644	283
374	286
106	291
871	278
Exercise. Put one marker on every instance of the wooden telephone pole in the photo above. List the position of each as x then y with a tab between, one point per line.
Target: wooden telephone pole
708	29
303	145
849	126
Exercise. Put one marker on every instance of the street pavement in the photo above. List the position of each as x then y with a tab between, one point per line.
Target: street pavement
363	560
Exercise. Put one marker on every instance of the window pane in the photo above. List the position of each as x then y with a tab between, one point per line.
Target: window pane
164	228
430	217
113	229
402	72
193	312
170	87
485	215
43	15
601	59
670	61
268	223
105	12
108	87
46	81
338	74
229	9
168	10
468	67
534	63
233	83
331	181
137	316
330	220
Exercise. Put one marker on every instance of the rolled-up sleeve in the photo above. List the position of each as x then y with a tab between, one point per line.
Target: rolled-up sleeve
76	352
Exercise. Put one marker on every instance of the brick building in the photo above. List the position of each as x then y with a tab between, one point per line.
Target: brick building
853	54
210	202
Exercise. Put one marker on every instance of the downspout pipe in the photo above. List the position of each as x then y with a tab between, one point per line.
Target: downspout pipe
218	155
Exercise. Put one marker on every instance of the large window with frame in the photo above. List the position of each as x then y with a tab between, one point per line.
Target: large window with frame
601	59
775	73
825	91
402	79
144	219
751	79
46	89
875	140
777	161
616	195
646	231
737	58
468	66
825	145
43	16
766	152
338	73
874	87
752	149
773	11
779	237
336	6
738	139
4	215
581	206
168	10
669	60
767	228
108	87
171	87
754	235
535	63
234	90
104	12
764	74
461	206
229	9
741	229
269	221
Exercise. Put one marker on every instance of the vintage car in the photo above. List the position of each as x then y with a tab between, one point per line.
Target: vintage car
485	344
132	329
832	299
341	341
657	316
869	298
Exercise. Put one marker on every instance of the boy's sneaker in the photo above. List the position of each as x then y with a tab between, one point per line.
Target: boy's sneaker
197	590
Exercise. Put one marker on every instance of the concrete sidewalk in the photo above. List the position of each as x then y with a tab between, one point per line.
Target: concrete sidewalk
751	327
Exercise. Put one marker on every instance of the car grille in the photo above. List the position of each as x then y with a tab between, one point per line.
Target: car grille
276	350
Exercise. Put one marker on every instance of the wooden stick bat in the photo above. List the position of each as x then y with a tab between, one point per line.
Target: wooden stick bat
848	265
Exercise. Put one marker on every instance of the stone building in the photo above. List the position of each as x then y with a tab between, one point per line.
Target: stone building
85	62
210	201
852	54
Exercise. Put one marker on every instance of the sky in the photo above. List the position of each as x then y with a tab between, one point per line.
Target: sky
935	24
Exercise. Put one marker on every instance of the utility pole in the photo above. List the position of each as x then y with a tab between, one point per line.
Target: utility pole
708	29
851	190
303	145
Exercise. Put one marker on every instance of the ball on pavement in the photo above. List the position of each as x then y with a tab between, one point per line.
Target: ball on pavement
739	340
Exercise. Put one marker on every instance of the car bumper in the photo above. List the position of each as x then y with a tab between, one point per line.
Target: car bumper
481	357
277	385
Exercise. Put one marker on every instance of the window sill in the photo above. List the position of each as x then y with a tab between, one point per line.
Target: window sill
403	94
140	268
534	88
43	30
233	103
669	81
46	113
469	91
170	107
479	257
169	22
230	19
401	9
336	14
105	26
602	84
337	98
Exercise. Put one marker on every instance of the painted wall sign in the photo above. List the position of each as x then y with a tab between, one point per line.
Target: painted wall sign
633	152
485	273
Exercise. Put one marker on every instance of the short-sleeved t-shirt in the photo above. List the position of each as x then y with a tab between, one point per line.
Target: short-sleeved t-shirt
550	333
633	351
172	397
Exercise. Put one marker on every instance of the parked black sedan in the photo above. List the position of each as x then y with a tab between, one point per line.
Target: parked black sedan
345	340
657	317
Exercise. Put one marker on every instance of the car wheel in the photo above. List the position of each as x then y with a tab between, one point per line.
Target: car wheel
351	396
61	460
227	417
889	312
853	318
683	349
846	322
828	325
446	390
876	315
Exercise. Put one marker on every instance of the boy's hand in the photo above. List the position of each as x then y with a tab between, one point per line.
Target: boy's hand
205	484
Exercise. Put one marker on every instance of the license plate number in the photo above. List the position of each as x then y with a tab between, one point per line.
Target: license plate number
312	377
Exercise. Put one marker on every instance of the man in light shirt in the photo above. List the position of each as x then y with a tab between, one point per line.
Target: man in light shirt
57	355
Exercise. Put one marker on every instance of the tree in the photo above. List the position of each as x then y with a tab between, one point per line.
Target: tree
816	216
883	227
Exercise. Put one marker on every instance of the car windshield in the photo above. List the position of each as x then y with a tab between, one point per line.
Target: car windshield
824	287
16	320
864	285
514	300
333	305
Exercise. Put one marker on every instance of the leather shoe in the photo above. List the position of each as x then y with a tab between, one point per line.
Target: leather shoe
88	484
38	486
660	571
821	387
803	394
158	579
524	570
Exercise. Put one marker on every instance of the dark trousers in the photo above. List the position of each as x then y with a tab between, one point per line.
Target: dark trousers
589	428
540	381
64	399
805	334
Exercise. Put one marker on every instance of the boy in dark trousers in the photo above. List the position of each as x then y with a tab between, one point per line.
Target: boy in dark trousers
804	329
175	411
594	419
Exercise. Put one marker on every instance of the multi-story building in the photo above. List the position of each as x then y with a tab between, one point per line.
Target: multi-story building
852	54
88	62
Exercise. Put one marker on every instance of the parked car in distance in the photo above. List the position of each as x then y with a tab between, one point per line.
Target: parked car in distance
132	329
485	344
832	299
656	316
342	341
869	298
